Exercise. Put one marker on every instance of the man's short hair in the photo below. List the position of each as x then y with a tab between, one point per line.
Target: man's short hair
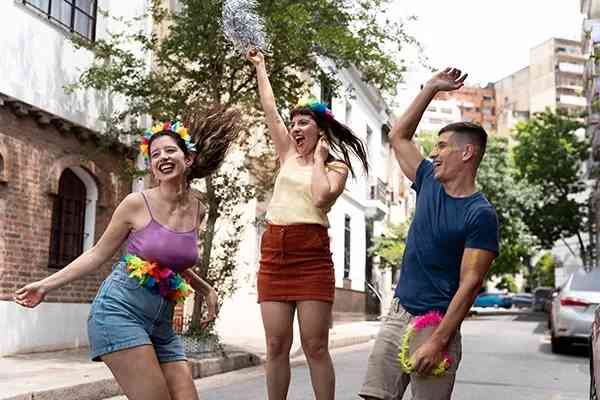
469	133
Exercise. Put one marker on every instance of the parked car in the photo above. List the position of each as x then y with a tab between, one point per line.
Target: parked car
522	300
595	356
487	299
542	298
573	309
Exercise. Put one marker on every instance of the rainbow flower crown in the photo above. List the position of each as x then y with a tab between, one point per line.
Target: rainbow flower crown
316	106
169	126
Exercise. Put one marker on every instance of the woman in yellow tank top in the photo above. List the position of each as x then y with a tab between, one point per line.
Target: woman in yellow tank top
296	269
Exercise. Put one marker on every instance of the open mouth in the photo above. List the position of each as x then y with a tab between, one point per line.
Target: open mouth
299	140
166	167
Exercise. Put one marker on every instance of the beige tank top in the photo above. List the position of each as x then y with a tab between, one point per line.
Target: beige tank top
292	200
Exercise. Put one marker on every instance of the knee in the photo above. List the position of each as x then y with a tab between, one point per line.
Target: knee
315	348
278	346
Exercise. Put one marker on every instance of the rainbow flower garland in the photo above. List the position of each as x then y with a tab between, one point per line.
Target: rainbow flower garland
432	318
316	106
157	279
169	126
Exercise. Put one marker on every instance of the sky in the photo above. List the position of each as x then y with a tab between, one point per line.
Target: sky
489	39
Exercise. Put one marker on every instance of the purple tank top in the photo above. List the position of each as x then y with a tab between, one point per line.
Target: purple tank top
168	248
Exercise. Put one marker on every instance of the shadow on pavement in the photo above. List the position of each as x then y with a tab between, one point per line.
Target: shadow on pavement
577	350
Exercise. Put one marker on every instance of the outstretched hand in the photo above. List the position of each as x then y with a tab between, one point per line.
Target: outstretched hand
255	57
447	80
30	295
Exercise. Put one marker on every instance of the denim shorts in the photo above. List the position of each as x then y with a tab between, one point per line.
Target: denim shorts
125	315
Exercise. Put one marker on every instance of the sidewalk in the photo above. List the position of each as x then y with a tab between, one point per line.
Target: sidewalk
69	375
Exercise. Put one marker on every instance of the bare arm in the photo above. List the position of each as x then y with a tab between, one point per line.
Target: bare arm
111	240
277	128
326	185
475	265
208	293
401	135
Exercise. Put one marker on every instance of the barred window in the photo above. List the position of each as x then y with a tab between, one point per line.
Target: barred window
68	220
347	246
78	16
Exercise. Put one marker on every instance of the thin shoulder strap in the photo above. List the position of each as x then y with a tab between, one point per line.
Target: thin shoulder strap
147	205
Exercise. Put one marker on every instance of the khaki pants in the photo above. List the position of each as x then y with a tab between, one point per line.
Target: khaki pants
386	381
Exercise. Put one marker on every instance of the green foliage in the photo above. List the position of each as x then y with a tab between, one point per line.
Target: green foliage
512	199
543	271
193	63
507	282
549	156
426	140
390	245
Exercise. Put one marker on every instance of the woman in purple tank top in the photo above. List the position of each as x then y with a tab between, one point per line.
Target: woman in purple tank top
130	323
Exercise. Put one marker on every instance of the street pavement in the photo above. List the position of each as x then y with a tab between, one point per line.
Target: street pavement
504	357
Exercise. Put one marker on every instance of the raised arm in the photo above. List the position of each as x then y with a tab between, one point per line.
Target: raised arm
112	238
407	153
326	183
277	128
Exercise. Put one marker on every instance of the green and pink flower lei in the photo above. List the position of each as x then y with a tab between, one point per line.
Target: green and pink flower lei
432	318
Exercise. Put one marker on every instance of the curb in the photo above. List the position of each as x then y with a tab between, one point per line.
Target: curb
106	388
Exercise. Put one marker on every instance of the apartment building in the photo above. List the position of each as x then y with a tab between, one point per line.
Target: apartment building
553	79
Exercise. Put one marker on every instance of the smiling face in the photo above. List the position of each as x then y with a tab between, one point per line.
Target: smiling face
167	160
448	157
304	133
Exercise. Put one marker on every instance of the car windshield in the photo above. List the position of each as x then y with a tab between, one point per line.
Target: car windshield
586	281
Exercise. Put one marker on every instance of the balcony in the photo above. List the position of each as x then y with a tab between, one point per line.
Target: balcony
377	204
571	68
570	100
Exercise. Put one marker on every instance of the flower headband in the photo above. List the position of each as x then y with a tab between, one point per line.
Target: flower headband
316	106
169	126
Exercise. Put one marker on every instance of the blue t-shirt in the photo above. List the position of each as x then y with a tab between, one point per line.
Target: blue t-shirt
442	227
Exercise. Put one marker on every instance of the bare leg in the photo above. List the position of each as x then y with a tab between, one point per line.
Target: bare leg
138	373
179	380
314	318
278	318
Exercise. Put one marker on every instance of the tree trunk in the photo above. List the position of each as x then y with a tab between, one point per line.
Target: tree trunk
207	243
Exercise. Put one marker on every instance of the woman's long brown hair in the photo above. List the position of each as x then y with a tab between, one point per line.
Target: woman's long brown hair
340	137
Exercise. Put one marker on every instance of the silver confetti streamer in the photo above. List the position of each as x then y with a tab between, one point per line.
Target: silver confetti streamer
242	26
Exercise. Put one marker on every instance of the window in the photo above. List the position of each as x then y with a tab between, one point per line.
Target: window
327	91
348	112
446	110
68	220
385	130
78	16
346	247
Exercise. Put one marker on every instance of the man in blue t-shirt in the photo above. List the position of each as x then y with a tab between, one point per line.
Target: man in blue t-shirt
451	244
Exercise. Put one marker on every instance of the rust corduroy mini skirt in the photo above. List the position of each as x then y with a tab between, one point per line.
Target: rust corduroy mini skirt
295	264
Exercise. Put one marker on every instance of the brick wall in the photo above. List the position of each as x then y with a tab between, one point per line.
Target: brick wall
34	156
